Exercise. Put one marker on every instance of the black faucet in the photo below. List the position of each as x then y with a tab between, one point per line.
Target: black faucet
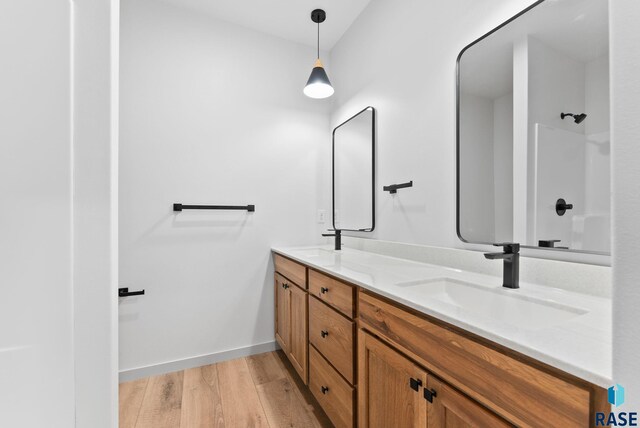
338	235
511	273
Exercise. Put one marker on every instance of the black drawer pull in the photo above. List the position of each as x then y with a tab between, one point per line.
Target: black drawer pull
324	333
324	389
324	290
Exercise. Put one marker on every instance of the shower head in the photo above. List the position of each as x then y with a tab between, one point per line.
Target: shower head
577	118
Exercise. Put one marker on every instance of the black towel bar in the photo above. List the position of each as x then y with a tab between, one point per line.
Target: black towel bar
393	188
180	207
124	292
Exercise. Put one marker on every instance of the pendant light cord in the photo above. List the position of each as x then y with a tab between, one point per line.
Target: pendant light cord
318	45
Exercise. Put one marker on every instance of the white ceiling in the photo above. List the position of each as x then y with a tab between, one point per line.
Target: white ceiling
288	19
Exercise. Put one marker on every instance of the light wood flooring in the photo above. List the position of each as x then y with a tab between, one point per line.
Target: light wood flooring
258	391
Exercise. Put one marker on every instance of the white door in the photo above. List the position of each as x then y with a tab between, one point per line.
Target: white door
58	304
36	306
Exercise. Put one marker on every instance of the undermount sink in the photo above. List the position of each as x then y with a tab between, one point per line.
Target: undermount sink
319	256
314	252
495	303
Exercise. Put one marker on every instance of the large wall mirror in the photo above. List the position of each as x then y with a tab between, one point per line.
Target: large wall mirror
533	130
354	173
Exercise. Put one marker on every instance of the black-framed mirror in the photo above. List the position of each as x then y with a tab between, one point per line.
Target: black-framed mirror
353	172
533	135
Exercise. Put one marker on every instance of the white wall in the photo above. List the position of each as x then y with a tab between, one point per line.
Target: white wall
503	167
486	168
211	113
477	205
556	84
521	168
397	68
625	121
400	58
95	192
597	104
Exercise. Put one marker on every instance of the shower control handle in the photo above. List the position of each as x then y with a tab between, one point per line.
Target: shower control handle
562	206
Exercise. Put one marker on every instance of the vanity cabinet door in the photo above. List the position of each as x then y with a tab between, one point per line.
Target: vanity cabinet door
298	345
451	409
283	312
390	388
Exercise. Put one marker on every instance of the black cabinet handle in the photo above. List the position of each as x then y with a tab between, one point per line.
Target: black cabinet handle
429	394
324	389
124	292
415	384
324	333
324	290
285	286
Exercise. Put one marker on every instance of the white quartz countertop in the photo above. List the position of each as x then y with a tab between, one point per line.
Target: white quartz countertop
567	330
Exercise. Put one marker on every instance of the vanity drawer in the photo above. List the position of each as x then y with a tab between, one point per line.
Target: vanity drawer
293	271
520	391
333	292
332	392
332	334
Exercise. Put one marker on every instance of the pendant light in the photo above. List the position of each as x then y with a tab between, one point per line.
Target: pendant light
318	85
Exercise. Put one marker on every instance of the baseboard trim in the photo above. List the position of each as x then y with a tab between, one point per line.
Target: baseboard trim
201	360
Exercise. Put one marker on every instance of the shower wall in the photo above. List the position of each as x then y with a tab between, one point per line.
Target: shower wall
598	181
552	82
568	160
559	172
566	164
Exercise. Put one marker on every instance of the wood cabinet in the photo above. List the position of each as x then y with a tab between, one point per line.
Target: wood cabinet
372	362
332	347
293	271
283	312
333	292
299	345
332	334
451	409
334	394
291	323
515	387
389	386
395	391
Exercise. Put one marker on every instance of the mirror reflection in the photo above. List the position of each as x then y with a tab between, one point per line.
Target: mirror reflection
533	130
353	172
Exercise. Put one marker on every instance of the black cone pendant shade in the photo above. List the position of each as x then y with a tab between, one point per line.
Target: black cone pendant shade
318	85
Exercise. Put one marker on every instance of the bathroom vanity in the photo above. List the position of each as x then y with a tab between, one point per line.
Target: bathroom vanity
383	341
